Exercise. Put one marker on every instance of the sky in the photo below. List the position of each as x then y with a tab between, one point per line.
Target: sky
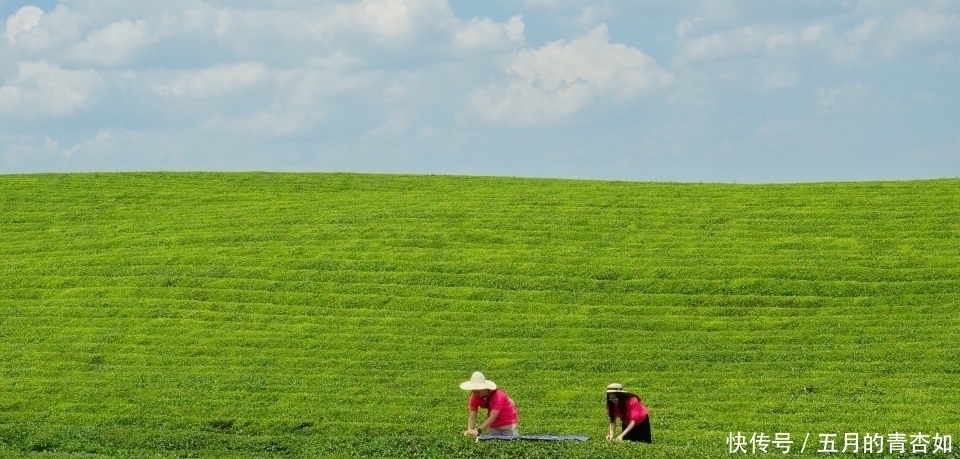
745	91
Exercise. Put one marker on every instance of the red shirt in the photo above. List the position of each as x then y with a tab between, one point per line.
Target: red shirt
636	412
496	400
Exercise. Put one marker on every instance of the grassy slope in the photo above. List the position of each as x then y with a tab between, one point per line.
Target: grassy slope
309	314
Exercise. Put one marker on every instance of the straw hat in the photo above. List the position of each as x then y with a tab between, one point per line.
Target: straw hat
615	387
478	382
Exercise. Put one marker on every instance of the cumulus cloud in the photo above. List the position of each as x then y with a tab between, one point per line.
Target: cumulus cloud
594	14
37	33
114	43
97	33
555	4
880	33
24	20
542	3
20	150
274	121
887	35
367	31
391	19
312	85
780	79
485	33
41	89
743	41
562	77
384	24
911	27
308	74
298	99
772	55
215	81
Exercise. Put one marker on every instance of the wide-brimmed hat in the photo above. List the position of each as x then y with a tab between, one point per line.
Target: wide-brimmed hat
478	382
615	388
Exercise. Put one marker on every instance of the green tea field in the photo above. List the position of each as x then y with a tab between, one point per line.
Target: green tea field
289	315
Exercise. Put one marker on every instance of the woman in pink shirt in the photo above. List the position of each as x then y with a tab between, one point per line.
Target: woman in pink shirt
501	413
632	414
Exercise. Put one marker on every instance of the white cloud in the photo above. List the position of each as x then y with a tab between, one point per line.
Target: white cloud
919	25
39	33
778	128
101	142
514	28
542	3
251	33
275	121
299	99
311	86
887	34
397	125
42	89
780	79
372	74
215	81
565	4
594	14
21	150
876	33
393	19
114	43
916	26
24	20
841	97
744	41
850	47
389	23
562	77
485	33
367	30
685	26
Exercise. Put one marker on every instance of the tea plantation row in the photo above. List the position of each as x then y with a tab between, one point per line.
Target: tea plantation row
334	315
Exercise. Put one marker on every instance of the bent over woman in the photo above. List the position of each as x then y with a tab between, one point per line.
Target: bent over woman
501	413
634	417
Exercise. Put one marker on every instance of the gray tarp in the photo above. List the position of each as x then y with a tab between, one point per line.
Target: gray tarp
483	437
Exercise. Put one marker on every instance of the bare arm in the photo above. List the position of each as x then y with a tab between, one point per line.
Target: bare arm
490	418
471	424
627	429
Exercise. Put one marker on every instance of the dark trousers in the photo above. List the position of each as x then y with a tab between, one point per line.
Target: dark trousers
640	432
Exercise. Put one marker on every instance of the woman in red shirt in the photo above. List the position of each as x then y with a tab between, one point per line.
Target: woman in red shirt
501	413
632	414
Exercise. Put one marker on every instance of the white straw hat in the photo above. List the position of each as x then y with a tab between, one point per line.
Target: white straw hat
615	387
478	382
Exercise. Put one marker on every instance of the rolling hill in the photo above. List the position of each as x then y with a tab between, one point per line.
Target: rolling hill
312	315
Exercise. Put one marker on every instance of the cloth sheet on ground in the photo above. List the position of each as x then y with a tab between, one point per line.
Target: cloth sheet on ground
484	437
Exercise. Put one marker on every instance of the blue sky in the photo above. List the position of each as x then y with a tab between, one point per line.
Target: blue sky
751	91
